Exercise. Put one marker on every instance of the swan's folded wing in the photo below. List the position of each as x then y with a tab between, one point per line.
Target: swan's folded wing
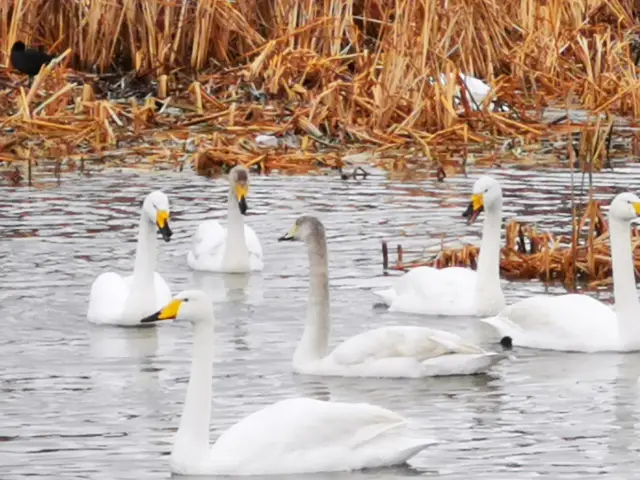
106	300
209	239
449	291
419	343
564	322
309	435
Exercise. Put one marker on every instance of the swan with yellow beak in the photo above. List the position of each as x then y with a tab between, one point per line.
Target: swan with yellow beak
236	248
118	300
456	290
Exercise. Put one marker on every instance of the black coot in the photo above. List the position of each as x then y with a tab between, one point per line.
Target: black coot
28	60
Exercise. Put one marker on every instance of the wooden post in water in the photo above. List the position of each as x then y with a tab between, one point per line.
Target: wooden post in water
385	256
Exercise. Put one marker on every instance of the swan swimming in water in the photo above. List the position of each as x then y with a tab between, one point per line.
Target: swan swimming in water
394	351
457	290
118	300
579	323
294	436
235	249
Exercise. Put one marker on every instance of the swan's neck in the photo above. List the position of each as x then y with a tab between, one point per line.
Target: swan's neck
236	251
191	442
488	294
624	285
145	263
315	339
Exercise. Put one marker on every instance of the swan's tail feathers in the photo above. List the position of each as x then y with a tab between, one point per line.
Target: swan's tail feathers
461	364
389	451
406	448
388	295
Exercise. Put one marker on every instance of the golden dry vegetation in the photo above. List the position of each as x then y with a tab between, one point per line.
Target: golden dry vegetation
204	78
584	256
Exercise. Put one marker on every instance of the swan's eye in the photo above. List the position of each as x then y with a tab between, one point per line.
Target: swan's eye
185	300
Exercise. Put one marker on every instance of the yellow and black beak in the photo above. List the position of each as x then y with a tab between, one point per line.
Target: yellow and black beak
162	220
289	236
170	312
241	194
475	208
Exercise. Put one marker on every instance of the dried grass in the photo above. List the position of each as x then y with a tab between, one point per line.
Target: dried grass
333	72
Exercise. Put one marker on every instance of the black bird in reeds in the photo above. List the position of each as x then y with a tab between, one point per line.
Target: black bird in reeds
28	60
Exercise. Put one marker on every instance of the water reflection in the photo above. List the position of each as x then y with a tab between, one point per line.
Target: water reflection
112	342
379	474
236	288
311	387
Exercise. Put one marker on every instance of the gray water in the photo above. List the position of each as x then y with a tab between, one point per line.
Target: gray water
80	401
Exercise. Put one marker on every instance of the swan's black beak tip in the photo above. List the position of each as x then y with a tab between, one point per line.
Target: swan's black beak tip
151	318
166	232
470	214
468	211
285	238
242	204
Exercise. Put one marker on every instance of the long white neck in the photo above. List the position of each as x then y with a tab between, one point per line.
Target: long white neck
624	285
236	251
191	443
489	298
145	263
315	340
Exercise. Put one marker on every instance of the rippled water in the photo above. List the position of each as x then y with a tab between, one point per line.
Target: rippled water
79	401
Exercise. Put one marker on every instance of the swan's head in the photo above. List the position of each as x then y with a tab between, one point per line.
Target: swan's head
305	228
193	306
487	195
625	207
156	209
239	179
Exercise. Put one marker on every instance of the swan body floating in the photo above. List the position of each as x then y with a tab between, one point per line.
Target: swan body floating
398	351
579	323
294	436
118	300
235	249
457	290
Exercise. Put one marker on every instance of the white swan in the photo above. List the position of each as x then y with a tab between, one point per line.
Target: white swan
235	249
457	290
476	89
398	351
118	300
294	436
577	322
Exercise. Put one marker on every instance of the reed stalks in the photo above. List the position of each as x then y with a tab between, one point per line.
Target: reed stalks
583	257
335	71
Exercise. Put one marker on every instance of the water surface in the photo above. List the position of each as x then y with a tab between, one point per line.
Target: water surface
79	401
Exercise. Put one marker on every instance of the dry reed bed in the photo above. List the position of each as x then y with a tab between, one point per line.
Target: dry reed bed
334	73
584	256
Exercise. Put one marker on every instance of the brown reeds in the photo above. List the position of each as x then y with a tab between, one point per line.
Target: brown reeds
529	254
331	72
